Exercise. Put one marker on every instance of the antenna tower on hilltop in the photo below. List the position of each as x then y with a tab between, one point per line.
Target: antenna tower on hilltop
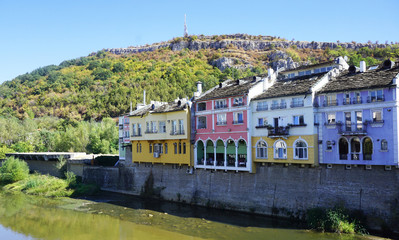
185	27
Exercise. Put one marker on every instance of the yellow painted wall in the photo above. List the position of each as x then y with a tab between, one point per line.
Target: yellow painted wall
166	158
312	150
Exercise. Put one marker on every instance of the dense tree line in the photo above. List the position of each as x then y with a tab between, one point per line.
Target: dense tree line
57	135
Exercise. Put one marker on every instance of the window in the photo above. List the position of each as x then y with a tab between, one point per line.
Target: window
376	96
297	102
262	122
148	126
331	100
359	120
158	148
290	75
329	146
179	148
384	145
302	73
181	126
331	118
137	148
261	106
184	148
301	150
308	72
343	149
275	104
261	149
162	127
174	126
280	150
166	148
367	148
153	126
283	104
201	106
317	70
134	130
139	129
348	121
221	119
238	118
347	99
298	120
355	148
238	101
357	99
376	115
220	104
201	123
150	148
175	145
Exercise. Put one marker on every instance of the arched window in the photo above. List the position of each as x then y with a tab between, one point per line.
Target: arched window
367	148
343	149
261	149
301	150
280	150
355	148
384	145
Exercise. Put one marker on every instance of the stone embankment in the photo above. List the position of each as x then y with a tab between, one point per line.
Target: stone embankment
277	190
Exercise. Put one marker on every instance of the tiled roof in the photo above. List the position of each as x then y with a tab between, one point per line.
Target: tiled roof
160	108
230	88
291	87
370	79
332	62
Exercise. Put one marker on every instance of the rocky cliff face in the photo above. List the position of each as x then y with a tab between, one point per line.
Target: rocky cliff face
243	44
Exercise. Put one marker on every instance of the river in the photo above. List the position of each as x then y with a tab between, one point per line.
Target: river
114	216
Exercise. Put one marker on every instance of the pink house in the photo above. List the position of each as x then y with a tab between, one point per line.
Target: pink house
222	139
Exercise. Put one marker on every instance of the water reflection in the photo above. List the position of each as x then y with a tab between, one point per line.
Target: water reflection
79	219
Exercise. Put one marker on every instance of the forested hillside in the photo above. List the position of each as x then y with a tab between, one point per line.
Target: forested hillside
44	110
103	84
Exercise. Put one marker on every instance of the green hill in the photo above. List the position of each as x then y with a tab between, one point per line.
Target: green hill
104	83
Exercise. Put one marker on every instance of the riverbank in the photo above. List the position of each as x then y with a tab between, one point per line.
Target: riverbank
115	216
15	177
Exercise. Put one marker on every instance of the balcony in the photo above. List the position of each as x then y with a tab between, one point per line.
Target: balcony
352	129
150	131
375	99
261	108
330	103
356	100
263	126
238	122
221	123
177	132
220	106
279	132
134	134
238	104
275	106
297	104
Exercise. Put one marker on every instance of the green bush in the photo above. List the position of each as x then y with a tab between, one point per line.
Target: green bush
13	170
333	220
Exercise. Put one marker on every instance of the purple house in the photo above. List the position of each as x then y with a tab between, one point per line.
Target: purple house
358	117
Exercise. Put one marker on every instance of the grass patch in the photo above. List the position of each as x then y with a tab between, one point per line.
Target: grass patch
49	186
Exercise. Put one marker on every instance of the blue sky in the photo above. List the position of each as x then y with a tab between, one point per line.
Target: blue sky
43	32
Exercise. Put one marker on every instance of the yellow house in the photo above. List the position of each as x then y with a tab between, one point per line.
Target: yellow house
160	133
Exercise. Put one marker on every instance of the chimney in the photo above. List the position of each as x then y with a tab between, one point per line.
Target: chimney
270	72
144	97
362	66
199	87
